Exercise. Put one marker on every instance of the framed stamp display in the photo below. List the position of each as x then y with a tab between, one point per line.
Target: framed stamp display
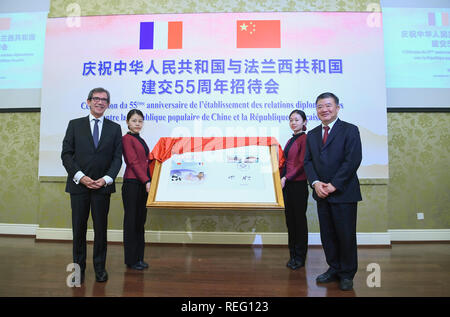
243	177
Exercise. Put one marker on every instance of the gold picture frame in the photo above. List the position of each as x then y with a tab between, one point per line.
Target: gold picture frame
278	204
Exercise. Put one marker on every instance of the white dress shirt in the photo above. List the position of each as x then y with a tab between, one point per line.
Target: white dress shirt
79	175
330	125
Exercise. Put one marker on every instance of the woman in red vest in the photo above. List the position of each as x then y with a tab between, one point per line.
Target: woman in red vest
295	191
136	185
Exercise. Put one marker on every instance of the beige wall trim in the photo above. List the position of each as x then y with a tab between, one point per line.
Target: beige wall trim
18	229
420	234
263	238
266	238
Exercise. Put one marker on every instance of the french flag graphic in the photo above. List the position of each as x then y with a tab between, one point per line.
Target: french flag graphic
161	35
438	19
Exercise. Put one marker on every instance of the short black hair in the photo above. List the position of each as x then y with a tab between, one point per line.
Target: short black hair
97	90
299	112
134	111
328	95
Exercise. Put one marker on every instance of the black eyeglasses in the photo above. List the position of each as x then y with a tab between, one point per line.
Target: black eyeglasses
97	99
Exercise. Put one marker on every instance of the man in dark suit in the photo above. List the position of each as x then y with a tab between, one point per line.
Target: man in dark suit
92	156
333	155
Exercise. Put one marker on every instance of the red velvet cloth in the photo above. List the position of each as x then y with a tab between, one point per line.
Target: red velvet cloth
167	146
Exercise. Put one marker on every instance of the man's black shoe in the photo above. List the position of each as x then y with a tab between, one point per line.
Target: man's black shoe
326	278
101	276
346	284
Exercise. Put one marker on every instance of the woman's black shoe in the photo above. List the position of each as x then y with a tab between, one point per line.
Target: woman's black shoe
136	266
143	264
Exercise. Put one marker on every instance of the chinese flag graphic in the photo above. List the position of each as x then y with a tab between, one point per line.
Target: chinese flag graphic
258	34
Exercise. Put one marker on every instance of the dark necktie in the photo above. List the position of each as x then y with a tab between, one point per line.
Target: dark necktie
95	134
325	135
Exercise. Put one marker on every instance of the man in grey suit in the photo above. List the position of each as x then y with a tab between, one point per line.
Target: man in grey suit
333	155
92	157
